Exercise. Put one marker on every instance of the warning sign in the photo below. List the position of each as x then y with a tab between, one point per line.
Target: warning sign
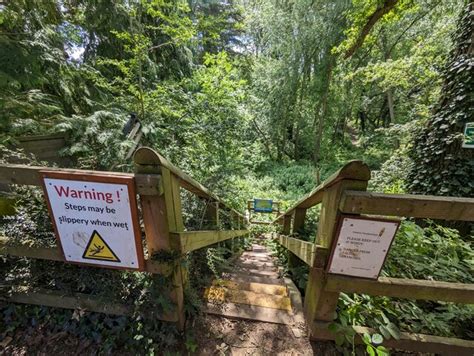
97	249
95	218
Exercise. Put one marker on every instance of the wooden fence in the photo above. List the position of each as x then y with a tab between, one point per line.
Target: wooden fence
345	192
158	183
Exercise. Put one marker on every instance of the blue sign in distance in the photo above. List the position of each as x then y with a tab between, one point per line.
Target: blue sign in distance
263	205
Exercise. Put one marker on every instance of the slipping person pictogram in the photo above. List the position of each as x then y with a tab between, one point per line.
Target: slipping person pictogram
97	249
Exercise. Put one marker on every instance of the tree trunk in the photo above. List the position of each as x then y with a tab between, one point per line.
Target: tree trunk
322	114
391	116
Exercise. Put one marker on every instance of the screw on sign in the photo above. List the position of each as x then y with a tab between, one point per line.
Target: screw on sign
95	218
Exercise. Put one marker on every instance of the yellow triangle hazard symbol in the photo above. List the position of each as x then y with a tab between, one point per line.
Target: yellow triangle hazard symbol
97	249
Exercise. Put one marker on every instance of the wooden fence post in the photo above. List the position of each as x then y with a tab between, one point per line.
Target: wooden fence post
286	228
212	214
320	305
299	216
162	215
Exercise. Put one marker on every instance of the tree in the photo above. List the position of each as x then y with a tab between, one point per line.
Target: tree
441	166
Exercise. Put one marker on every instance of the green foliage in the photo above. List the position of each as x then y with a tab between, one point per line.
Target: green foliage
436	253
440	164
99	132
254	100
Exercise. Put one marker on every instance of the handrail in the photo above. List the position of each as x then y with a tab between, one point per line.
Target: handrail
144	155
29	175
353	170
408	205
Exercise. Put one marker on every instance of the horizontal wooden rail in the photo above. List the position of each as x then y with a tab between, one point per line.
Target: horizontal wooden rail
403	288
354	170
51	298
304	250
309	253
58	299
408	341
146	184
193	240
144	155
417	206
8	247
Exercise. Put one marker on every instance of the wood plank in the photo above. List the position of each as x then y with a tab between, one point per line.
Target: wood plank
408	341
249	263
212	213
222	295
252	272
304	250
54	254
58	299
50	298
417	206
29	175
161	215
299	217
245	277
403	288
54	136
286	228
249	312
321	304
134	130
46	145
194	240
353	170
275	289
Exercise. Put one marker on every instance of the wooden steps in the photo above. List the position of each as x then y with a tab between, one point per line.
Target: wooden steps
252	286
251	289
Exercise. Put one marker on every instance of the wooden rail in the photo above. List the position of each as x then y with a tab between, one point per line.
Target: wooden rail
304	250
416	206
354	170
404	288
188	241
408	341
158	184
13	248
148	157
29	175
345	192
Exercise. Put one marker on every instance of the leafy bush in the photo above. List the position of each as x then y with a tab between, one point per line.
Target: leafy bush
436	253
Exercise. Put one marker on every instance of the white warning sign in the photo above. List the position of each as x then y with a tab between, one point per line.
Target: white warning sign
95	218
361	246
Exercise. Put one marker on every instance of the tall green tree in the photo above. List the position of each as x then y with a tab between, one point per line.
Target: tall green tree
441	166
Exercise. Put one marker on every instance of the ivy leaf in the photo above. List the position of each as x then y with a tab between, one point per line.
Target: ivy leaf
394	331
377	339
385	332
370	350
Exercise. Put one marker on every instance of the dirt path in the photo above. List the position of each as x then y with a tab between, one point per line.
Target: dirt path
254	311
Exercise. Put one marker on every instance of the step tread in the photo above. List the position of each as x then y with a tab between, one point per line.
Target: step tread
222	294
250	312
272	289
244	277
253	272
